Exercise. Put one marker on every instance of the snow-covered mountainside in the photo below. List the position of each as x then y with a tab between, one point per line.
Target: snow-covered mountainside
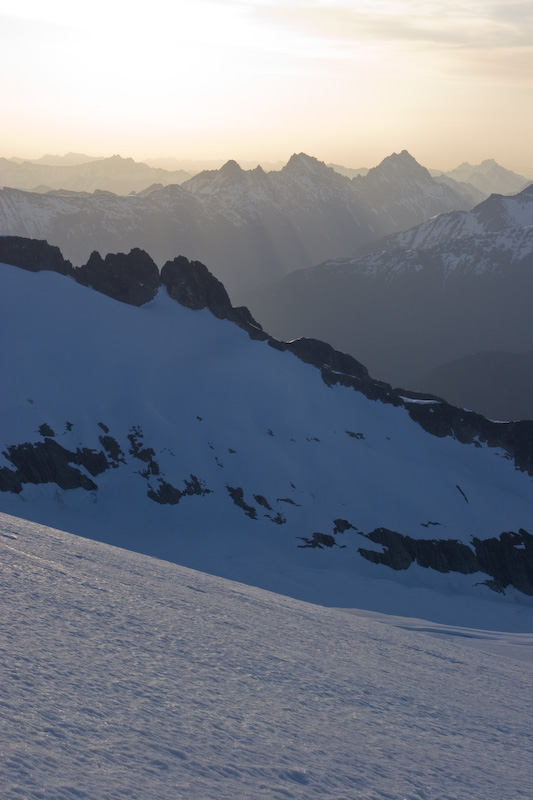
250	226
497	213
115	174
190	434
405	312
129	677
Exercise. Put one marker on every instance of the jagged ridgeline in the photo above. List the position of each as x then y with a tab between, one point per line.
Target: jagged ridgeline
249	226
143	409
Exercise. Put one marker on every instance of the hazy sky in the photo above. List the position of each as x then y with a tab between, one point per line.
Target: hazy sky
348	81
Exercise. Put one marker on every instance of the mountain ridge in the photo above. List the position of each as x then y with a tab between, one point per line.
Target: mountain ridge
250	226
229	437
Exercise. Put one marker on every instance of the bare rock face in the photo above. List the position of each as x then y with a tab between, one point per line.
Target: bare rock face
33	255
507	559
131	278
442	419
48	462
323	355
193	286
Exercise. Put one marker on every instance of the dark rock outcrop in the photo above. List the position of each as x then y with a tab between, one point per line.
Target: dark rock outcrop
46	430
319	540
342	525
144	454
168	494
443	419
131	278
322	355
192	285
33	255
113	449
48	462
237	495
507	559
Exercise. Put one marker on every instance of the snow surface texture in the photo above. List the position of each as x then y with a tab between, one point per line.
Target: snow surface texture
239	415
128	677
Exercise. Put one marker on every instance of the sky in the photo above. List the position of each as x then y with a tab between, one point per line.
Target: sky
347	81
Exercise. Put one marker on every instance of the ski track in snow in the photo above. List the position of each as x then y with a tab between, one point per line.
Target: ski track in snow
124	676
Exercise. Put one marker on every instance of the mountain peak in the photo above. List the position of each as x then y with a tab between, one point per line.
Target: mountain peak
398	165
301	162
231	168
404	159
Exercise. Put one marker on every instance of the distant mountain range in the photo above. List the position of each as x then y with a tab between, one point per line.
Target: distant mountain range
493	215
489	177
144	410
250	226
115	174
456	285
124	175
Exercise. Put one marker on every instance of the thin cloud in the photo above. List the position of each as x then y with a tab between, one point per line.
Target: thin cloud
477	25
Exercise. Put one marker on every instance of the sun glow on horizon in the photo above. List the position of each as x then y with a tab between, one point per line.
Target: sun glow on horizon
348	82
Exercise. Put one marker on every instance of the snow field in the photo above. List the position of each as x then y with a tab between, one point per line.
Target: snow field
126	676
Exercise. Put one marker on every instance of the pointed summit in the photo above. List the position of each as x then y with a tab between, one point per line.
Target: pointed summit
397	163
231	169
302	163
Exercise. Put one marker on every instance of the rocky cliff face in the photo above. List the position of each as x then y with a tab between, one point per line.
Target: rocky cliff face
131	278
33	255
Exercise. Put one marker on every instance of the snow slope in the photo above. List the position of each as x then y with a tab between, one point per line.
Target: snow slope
185	439
495	214
126	676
